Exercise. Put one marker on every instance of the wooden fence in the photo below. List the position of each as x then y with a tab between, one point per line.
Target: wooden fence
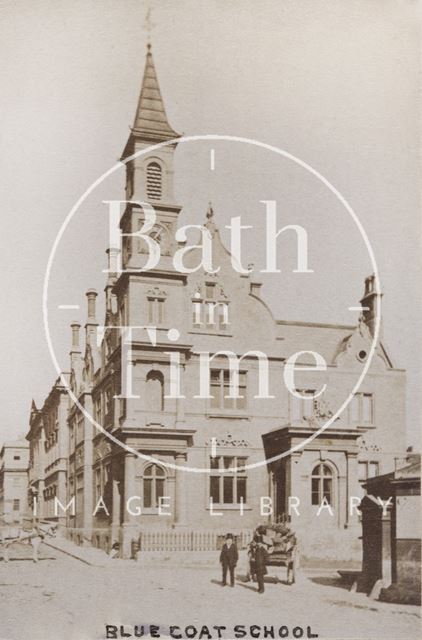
203	540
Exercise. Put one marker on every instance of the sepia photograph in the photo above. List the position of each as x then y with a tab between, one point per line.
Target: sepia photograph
212	349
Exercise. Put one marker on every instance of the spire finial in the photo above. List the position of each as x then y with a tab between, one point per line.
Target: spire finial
210	224
150	124
148	26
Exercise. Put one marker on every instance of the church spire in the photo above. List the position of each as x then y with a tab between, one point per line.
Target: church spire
151	123
150	170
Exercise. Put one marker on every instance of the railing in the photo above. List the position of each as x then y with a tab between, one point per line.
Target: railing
410	458
171	540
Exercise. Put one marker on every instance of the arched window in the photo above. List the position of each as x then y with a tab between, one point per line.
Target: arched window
153	486
154	398
154	181
322	484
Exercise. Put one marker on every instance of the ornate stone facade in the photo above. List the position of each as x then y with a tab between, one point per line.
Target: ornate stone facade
214	312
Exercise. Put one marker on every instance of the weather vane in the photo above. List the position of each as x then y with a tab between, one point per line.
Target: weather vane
148	25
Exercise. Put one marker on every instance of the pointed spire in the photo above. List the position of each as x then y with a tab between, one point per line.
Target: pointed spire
151	121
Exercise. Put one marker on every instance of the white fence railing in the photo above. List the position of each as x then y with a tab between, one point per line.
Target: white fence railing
171	540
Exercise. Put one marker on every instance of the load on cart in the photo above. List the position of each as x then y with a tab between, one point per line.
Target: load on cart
281	548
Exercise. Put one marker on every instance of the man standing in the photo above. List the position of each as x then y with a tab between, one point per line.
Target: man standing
228	559
260	562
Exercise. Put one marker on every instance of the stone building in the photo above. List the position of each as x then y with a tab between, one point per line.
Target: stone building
214	312
48	455
13	480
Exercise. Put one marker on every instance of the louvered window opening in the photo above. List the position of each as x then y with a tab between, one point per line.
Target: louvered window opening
154	181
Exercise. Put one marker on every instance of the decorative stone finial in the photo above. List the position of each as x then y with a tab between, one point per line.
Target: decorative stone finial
210	212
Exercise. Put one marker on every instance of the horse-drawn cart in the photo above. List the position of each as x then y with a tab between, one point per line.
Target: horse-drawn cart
32	532
286	559
281	549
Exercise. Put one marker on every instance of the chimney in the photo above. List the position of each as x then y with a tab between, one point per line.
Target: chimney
76	349
91	294
113	266
91	323
75	335
112	253
371	304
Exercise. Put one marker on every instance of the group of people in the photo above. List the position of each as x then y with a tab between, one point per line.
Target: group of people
257	557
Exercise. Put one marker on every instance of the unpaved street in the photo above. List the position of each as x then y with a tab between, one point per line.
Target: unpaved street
64	598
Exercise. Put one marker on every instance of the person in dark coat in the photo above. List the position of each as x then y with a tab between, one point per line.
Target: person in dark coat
260	562
251	559
228	559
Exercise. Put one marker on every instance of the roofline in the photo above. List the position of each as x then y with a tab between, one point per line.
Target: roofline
149	138
56	386
20	444
323	325
16	444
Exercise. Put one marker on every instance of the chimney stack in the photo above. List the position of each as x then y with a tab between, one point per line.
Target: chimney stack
91	294
113	266
91	323
75	336
371	305
112	253
75	352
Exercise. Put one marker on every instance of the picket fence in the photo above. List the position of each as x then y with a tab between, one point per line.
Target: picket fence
188	540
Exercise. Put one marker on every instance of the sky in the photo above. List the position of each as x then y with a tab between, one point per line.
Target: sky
334	83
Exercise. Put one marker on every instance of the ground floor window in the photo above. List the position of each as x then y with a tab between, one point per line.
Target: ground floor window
16	504
153	486
228	486
322	485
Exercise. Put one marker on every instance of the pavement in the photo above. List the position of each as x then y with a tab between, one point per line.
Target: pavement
72	600
98	558
88	555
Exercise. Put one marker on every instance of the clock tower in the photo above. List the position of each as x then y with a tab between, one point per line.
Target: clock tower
142	296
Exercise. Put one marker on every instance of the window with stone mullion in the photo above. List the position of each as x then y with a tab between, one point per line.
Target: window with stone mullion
228	487
155	311
220	390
